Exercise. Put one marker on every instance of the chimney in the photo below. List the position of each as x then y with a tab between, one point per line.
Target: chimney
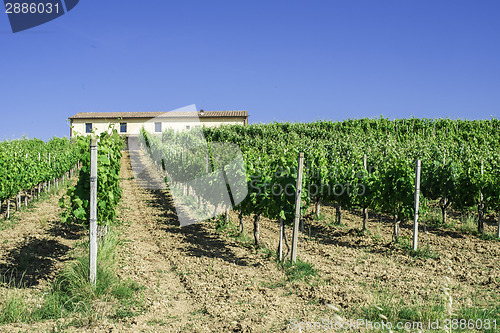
202	112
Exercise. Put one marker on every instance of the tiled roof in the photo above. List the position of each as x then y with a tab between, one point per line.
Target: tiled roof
171	114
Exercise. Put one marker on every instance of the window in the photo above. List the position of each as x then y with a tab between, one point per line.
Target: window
88	128
157	127
188	127
123	127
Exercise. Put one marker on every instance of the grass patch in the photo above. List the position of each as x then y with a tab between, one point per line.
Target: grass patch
230	229
10	223
160	322
421	252
221	225
300	271
15	309
468	225
432	218
490	318
268	253
71	293
333	223
321	217
389	308
377	235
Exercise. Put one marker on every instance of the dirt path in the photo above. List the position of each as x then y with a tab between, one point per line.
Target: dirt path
196	279
36	245
142	260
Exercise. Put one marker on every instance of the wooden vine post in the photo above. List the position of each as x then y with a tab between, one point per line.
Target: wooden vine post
417	197
93	212
498	228
445	202
480	221
365	210
39	187
280	244
298	195
256	229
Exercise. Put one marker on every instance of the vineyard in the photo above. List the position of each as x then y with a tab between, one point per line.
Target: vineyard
29	166
159	271
357	164
77	200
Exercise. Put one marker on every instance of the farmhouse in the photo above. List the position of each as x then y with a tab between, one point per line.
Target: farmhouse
130	123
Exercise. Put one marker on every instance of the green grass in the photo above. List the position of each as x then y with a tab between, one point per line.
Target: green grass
421	252
333	223
15	309
321	217
432	218
71	293
468	225
377	235
300	271
390	308
10	223
268	253
220	223
479	314
232	230
424	313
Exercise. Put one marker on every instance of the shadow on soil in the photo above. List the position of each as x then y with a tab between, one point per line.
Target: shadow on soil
200	242
67	231
355	238
345	237
31	261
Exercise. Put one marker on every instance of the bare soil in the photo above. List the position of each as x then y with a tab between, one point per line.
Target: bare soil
34	244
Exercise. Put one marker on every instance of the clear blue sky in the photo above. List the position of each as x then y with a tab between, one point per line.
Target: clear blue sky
280	60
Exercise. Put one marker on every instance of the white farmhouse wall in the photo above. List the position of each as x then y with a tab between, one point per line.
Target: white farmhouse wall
134	125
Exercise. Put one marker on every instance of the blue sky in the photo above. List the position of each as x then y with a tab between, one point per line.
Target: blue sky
280	60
